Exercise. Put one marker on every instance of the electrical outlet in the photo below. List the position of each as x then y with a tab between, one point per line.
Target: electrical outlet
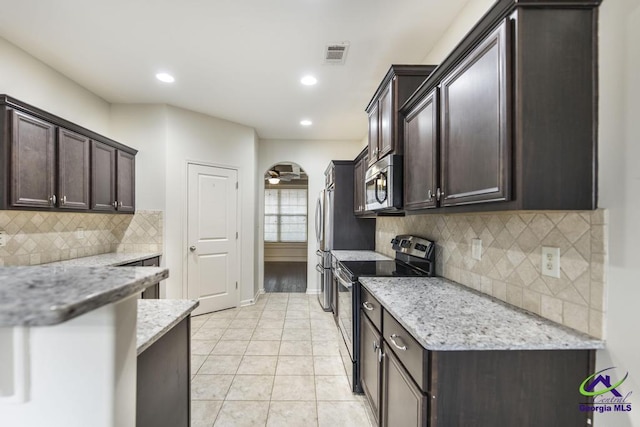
551	262
3	238
79	233
476	249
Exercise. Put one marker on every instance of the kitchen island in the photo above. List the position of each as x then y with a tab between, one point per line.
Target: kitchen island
68	344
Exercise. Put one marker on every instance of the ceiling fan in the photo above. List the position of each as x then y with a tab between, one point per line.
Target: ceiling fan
283	172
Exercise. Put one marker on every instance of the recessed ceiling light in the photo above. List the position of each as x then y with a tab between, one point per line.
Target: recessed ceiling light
165	77
308	80
306	122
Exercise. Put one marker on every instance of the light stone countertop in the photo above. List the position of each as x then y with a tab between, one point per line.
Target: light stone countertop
156	317
342	255
111	259
48	295
443	315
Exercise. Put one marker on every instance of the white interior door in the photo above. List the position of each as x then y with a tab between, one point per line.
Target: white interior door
212	271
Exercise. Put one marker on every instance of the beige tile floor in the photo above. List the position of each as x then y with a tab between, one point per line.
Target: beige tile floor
275	363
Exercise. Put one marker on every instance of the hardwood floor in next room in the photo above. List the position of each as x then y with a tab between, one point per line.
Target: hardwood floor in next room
285	276
275	363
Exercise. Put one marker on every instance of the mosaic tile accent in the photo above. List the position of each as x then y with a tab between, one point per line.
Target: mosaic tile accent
509	268
35	237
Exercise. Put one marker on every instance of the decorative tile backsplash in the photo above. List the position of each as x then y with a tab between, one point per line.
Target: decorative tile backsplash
510	266
34	237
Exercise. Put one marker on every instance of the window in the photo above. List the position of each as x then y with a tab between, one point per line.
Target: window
285	215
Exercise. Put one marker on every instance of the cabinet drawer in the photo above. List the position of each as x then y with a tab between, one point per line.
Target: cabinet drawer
371	307
412	355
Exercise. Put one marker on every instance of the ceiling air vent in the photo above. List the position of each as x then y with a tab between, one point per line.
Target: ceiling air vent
336	53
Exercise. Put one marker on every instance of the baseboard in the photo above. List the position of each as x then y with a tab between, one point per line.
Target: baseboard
313	291
253	300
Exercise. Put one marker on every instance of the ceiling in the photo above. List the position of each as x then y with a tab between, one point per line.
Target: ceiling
239	60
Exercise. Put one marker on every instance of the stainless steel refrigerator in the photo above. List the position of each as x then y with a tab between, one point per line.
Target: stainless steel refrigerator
337	227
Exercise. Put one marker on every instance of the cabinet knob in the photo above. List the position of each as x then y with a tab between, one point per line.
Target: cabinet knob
52	200
192	248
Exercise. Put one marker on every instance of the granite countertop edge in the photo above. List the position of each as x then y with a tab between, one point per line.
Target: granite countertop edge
358	255
109	259
27	312
156	317
575	340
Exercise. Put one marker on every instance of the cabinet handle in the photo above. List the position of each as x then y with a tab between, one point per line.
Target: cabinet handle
380	355
439	194
64	200
393	341
193	249
376	346
53	200
429	194
367	306
115	204
120	204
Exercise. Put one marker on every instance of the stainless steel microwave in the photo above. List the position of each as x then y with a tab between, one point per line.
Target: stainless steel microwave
383	184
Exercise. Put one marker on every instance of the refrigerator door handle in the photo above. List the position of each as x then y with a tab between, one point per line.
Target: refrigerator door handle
319	219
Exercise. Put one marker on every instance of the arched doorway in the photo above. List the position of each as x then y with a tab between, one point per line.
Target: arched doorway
285	228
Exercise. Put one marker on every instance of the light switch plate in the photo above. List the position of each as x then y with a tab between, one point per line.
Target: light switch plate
550	262
476	249
3	238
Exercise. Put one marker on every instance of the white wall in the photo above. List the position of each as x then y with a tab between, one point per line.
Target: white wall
25	78
313	157
197	137
619	191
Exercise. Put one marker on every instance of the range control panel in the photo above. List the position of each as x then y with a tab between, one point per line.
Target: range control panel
413	245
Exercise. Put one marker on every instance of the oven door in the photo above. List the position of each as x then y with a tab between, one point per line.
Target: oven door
345	309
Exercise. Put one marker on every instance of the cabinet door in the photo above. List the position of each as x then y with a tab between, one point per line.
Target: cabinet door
421	154
370	368
358	185
103	177
387	125
32	162
153	291
373	134
73	170
476	138
126	190
402	402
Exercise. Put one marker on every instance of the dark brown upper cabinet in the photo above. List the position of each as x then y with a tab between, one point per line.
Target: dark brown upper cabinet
103	177
126	184
421	162
53	164
32	148
73	170
475	125
385	124
516	126
359	170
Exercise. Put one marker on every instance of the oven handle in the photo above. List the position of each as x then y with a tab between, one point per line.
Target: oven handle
347	284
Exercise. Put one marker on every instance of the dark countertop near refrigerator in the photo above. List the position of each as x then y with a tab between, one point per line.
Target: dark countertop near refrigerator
48	295
111	259
157	316
443	315
346	255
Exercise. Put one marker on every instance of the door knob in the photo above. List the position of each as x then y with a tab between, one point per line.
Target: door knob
192	248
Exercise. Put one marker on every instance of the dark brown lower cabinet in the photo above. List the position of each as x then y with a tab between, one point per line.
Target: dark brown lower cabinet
412	386
163	380
153	291
370	369
403	404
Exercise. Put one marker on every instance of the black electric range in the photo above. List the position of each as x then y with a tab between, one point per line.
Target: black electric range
415	257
